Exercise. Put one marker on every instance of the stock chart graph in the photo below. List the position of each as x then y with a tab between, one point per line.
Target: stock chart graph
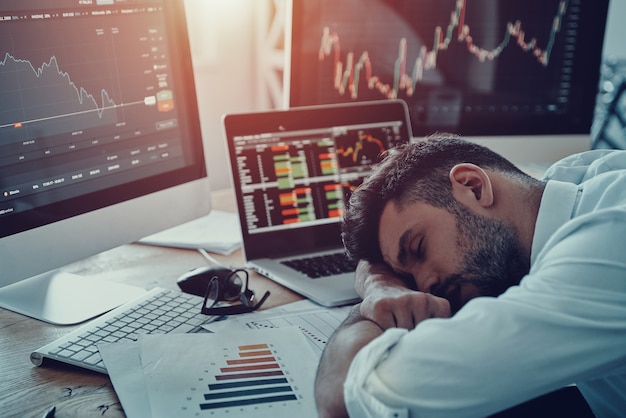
359	149
74	84
65	99
462	66
88	97
350	70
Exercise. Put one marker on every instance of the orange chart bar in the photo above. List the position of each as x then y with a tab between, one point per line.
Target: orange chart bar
335	213
252	347
282	171
287	199
236	376
255	353
250	360
250	368
289	212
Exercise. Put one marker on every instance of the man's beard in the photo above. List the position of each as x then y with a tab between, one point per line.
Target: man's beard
494	259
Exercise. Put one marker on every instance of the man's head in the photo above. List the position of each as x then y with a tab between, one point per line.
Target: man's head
409	216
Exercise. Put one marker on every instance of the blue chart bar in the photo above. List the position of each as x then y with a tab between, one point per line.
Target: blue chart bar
246	383
244	402
262	391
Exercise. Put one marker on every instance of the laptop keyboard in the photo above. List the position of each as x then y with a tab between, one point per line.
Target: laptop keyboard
160	311
323	266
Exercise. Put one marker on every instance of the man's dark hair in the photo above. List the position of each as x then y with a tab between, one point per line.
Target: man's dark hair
414	172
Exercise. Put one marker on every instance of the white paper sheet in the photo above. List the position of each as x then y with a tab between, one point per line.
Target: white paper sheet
251	373
217	232
317	323
123	362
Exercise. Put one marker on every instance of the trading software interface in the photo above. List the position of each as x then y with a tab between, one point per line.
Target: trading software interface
473	67
88	99
300	178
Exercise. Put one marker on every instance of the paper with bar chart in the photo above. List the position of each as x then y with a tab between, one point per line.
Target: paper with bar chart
241	373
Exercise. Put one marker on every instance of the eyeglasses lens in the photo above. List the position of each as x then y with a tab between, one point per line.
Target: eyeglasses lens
234	288
212	293
234	284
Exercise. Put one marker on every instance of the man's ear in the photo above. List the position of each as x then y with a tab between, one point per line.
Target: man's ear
471	185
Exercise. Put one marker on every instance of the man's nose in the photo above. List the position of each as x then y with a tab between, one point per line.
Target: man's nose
424	281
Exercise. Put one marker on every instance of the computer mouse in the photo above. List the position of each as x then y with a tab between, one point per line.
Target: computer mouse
196	281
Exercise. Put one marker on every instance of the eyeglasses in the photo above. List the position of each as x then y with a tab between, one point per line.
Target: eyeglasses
233	288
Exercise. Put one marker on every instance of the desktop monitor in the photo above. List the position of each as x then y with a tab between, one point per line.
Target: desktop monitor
100	144
518	76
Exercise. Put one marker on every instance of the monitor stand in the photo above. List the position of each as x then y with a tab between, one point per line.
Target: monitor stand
64	298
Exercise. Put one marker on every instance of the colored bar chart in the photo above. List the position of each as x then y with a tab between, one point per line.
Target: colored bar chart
333	194
288	168
247	373
297	205
254	378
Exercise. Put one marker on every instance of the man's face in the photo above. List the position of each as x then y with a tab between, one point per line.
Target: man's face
456	256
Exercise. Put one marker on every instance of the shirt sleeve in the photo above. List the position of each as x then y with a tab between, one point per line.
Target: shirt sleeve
577	168
359	402
565	323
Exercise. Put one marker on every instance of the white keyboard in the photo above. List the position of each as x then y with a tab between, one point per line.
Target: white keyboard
159	311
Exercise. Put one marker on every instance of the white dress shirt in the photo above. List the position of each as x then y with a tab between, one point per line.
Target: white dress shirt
565	323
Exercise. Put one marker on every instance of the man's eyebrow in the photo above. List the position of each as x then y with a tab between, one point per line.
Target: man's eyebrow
402	255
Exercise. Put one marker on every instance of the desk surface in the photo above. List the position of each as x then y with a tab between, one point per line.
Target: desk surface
28	391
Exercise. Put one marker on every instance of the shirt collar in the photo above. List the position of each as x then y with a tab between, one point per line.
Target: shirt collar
557	207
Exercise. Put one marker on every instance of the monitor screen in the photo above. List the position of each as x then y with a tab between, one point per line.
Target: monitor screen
299	170
476	68
293	170
99	128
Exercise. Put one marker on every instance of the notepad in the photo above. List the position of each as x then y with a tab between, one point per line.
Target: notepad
218	232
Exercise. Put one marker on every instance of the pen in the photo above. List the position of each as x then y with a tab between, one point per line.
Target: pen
50	412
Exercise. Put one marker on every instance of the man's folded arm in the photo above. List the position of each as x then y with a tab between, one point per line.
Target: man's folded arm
391	301
345	343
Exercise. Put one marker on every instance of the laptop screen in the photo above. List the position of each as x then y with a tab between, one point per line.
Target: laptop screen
293	170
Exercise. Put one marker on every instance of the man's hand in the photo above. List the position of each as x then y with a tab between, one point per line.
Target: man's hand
390	303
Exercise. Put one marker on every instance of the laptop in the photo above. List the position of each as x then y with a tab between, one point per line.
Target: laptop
293	171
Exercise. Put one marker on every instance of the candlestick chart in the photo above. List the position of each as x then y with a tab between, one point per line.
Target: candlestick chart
350	69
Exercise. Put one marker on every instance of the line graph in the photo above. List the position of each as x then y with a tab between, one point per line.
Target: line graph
49	118
348	74
81	93
362	150
54	84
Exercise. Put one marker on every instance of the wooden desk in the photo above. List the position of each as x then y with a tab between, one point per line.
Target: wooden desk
28	391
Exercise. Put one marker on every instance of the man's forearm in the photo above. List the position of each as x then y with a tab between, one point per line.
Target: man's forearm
347	340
